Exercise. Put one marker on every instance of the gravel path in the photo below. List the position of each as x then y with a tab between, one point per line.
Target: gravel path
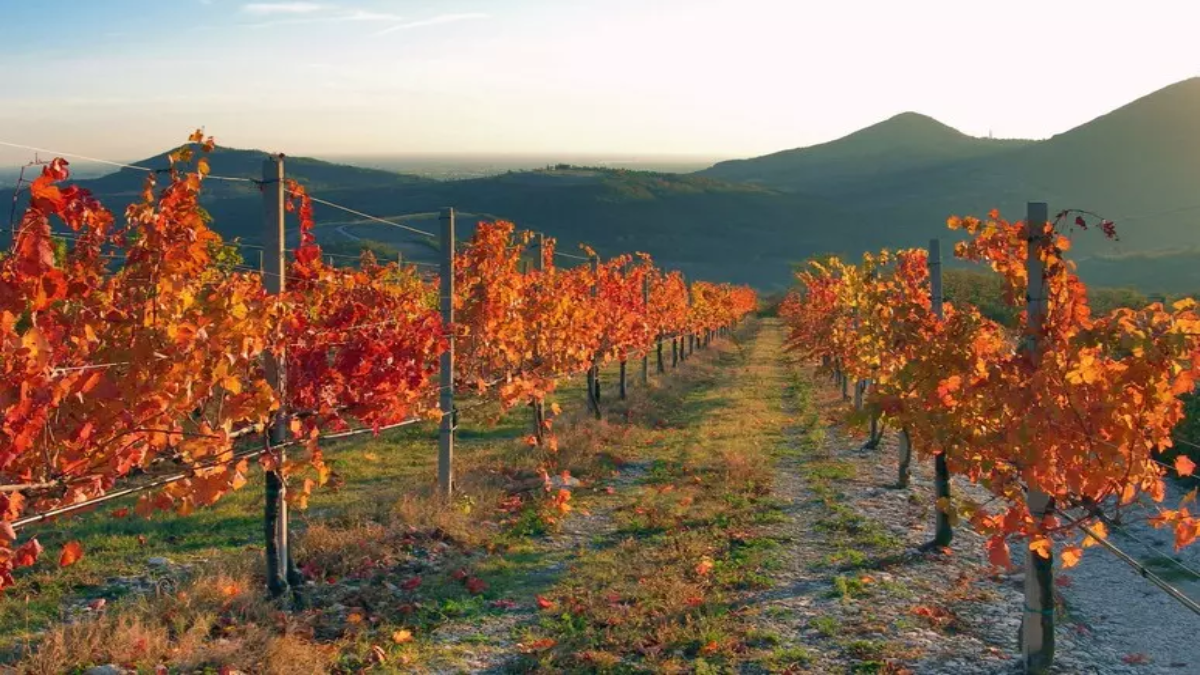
1126	611
934	613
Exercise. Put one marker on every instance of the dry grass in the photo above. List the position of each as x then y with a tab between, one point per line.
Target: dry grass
218	619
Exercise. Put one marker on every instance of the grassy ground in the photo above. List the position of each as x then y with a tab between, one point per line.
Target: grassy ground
662	589
391	565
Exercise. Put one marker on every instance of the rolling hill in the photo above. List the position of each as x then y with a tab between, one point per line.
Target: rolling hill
906	142
1138	165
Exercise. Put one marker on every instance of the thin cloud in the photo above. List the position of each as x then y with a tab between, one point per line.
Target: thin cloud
433	21
365	15
333	15
269	8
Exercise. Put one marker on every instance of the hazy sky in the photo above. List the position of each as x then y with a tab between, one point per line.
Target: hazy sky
127	78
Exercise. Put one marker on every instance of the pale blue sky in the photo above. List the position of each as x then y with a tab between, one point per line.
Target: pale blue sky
126	78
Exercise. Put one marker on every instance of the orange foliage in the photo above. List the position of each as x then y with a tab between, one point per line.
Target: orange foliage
1081	419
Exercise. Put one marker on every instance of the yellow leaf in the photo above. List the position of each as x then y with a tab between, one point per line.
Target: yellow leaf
1099	531
231	384
1128	494
1042	546
39	348
402	636
1071	556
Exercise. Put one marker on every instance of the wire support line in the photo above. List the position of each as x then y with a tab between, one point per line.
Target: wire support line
571	256
73	155
161	482
232	179
1142	570
1162	554
1097	512
122	165
387	427
90	366
368	216
175	478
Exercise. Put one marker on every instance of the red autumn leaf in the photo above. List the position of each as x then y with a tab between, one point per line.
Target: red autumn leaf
537	645
997	550
72	552
27	554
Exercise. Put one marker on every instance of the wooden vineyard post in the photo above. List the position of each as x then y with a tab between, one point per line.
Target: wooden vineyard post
593	376
646	311
905	470
622	375
943	532
1037	622
446	372
674	351
685	344
280	570
659	353
539	404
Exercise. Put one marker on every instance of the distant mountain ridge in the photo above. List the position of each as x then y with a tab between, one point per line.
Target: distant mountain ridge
892	184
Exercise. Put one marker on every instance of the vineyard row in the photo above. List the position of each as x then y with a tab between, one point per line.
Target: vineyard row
144	344
1064	419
